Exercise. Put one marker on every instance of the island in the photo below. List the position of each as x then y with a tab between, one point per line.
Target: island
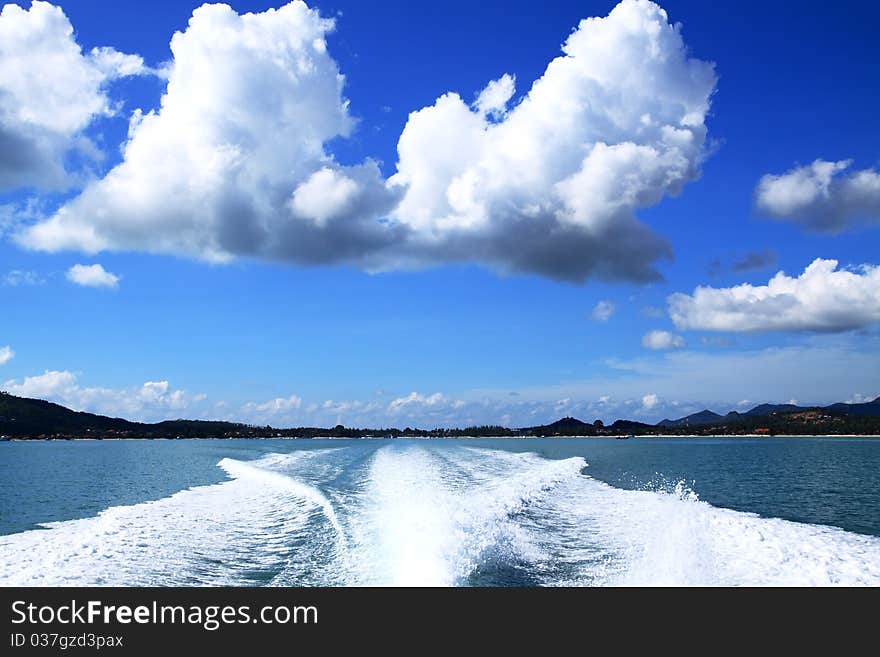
23	418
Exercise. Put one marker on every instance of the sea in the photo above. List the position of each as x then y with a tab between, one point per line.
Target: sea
457	512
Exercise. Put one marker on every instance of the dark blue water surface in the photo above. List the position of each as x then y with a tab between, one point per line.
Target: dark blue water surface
829	481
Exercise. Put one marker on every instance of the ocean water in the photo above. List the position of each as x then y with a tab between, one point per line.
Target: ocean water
530	512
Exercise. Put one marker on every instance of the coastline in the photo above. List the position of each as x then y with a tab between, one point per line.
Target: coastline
663	436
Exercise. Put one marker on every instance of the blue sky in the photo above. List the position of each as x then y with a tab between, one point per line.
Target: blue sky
450	324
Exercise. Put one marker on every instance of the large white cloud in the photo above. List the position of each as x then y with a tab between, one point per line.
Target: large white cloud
823	298
614	124
234	163
154	400
824	195
49	93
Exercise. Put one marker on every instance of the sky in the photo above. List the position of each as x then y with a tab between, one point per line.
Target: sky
421	214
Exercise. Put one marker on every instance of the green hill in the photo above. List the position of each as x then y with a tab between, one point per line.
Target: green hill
21	417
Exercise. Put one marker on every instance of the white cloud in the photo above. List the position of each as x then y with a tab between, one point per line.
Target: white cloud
859	398
18	277
115	64
14	216
151	401
275	410
279	404
822	195
603	311
415	399
325	195
493	99
234	163
92	276
662	340
6	354
48	384
823	298
613	125
822	370
49	93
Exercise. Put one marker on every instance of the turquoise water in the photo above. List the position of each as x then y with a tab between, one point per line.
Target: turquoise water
444	512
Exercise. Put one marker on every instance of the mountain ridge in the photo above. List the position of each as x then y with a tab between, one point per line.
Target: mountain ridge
868	409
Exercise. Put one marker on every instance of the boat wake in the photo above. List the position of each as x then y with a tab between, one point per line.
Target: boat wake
421	514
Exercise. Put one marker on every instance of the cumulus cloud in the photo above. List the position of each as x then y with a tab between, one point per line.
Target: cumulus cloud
414	399
613	125
603	311
6	354
274	410
662	340
824	196
92	276
414	408
649	402
279	404
151	401
50	91
114	64
822	298
493	99
234	163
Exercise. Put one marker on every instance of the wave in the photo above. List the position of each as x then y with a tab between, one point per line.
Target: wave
241	469
643	538
431	514
240	532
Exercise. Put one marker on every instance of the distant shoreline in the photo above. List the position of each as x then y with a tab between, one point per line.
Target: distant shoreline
23	418
663	436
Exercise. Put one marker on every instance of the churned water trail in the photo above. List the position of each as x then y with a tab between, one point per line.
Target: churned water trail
420	513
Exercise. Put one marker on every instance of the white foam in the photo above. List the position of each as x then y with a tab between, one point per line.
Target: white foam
242	469
423	514
619	537
428	518
237	532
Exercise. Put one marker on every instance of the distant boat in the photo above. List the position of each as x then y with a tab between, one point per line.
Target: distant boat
624	437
